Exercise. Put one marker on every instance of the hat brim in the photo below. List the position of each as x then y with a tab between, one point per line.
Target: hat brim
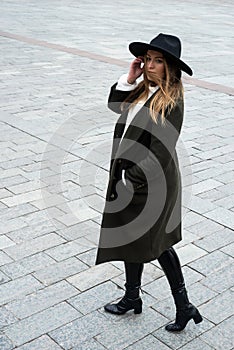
140	49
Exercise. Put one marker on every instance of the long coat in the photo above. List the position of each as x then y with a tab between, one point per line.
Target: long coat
142	217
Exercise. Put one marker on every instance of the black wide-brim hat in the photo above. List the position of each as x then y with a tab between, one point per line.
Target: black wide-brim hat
168	45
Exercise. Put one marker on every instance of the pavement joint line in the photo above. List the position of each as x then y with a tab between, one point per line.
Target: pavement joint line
191	81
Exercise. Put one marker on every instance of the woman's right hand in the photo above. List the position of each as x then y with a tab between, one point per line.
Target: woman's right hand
135	70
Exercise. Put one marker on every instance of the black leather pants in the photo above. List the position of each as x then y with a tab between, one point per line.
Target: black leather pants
133	272
170	264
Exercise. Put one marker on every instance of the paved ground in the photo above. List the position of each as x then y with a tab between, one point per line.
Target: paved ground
58	61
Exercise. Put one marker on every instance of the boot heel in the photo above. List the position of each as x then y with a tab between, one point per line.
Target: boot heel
197	318
138	310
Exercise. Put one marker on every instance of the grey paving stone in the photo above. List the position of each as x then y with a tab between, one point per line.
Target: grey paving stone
227	189
93	276
191	218
33	230
12	224
33	246
42	299
2	206
211	262
42	343
179	339
224	216
90	344
187	237
88	257
190	253
200	205
205	185
93	237
43	322
229	249
226	177
5	242
149	342
226	202
166	307
22	198
219	308
6	317
200	295
96	297
205	228
5	193
211	172
212	195
81	330
12	180
26	187
17	211
220	336
220	280
79	230
38	217
216	240
67	250
60	271
4	258
14	289
159	289
3	278
197	344
204	164
27	265
5	343
131	329
151	273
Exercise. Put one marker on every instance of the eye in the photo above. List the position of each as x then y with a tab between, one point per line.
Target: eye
148	58
159	60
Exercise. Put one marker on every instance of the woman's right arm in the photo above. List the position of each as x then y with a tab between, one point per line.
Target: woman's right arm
116	97
127	83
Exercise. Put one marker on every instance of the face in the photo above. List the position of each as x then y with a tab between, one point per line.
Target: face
154	65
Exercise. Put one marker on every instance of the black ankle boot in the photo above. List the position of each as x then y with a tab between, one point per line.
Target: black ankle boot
130	301
185	311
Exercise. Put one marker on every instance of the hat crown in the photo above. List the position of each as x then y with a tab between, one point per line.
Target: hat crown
169	43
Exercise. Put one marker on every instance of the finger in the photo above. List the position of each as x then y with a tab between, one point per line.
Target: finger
141	58
137	61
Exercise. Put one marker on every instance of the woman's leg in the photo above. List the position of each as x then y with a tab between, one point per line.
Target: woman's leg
170	264
185	311
131	300
133	273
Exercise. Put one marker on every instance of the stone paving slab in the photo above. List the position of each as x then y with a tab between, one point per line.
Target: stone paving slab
58	62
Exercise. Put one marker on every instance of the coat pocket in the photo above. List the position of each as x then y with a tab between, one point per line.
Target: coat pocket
136	185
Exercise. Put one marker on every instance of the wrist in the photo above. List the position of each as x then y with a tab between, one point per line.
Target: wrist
131	81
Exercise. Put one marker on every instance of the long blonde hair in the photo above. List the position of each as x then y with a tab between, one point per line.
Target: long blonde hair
170	90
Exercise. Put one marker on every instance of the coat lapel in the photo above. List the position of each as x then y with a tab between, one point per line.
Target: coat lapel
135	129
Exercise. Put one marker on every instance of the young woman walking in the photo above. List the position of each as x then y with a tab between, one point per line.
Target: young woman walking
142	216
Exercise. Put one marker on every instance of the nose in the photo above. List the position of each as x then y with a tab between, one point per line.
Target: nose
151	64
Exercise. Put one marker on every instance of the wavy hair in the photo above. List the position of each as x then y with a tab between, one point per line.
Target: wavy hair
169	92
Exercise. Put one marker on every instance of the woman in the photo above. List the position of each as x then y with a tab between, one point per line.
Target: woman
142	216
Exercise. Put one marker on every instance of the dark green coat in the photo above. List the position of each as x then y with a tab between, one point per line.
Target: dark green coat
142	218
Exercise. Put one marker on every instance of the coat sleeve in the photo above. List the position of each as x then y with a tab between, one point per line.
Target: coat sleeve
116	97
161	149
